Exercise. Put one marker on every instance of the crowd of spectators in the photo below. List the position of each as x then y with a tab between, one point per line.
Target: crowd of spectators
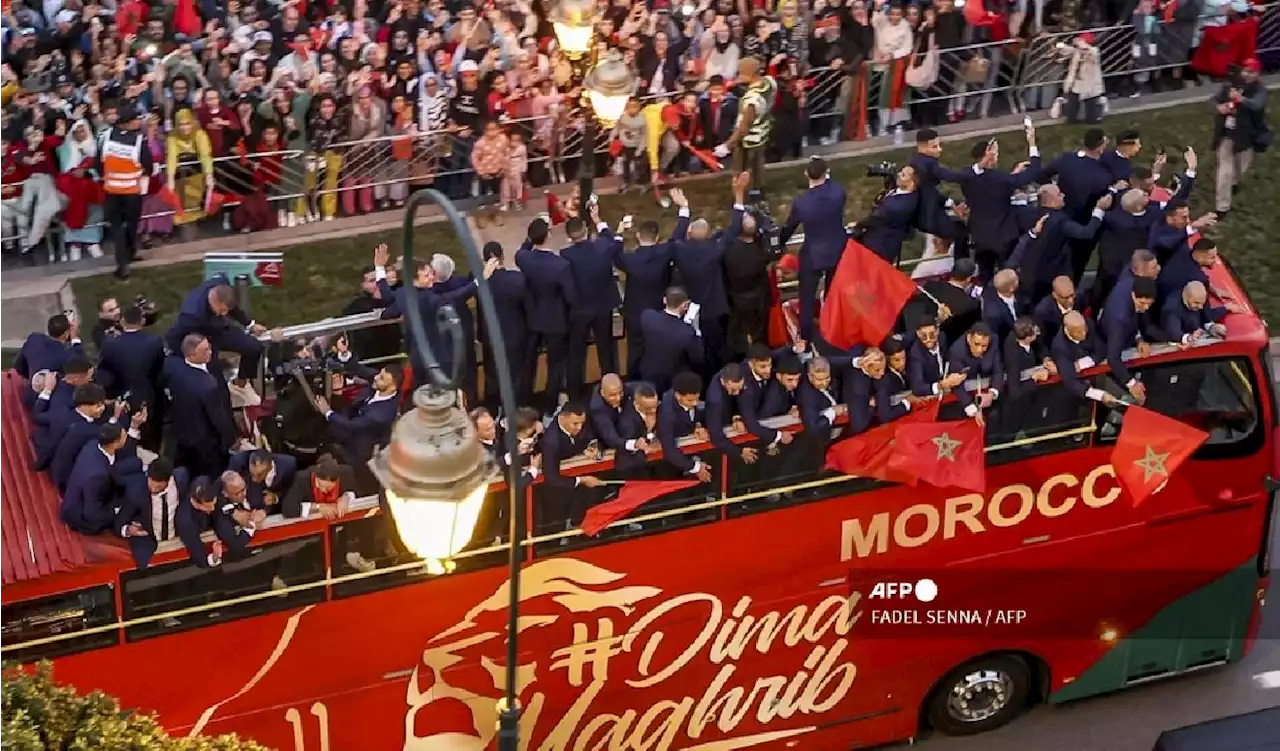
290	112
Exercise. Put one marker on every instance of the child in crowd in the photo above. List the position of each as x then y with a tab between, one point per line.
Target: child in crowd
513	181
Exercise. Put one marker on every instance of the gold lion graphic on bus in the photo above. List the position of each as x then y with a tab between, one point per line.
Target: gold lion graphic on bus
593	597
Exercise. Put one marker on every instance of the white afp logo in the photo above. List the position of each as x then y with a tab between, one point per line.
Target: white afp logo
924	590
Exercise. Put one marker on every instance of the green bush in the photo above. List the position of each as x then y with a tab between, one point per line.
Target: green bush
40	714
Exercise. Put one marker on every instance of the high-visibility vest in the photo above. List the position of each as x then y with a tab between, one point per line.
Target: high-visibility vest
122	166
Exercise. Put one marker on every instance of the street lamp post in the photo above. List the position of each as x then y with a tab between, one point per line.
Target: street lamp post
435	472
607	84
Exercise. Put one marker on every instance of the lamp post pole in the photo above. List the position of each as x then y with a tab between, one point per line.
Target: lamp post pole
437	379
587	167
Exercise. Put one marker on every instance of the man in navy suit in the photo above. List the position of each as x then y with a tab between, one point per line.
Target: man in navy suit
211	311
860	391
147	517
267	476
1177	232
670	344
678	417
1143	263
820	406
821	210
513	305
1084	180
55	398
1187	265
1187	317
757	375
201	405
638	428
1001	305
198	513
605	410
446	282
82	430
131	364
554	294
722	411
50	350
977	359
564	504
700	263
933	217
782	397
1055	238
648	275
1076	348
429	301
88	404
893	217
927	368
366	424
1131	326
591	263
1024	349
89	501
1062	299
988	192
1119	161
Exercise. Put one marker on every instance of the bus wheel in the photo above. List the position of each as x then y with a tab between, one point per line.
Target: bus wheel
980	695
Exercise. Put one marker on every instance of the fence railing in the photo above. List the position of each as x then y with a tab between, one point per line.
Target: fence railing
840	105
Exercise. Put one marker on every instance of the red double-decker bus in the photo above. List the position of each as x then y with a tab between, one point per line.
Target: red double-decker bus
779	606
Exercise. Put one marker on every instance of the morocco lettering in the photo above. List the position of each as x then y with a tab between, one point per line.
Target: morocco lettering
1009	506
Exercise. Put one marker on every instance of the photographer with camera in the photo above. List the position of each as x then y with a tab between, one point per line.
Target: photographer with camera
894	215
746	271
109	314
1239	129
821	210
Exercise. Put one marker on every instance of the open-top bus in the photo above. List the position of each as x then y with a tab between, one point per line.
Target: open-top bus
764	609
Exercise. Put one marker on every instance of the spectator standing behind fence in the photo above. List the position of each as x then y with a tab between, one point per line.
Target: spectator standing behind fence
362	179
1240	129
894	42
190	167
324	129
490	158
125	162
78	182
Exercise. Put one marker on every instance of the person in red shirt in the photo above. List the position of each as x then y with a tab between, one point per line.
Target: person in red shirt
686	134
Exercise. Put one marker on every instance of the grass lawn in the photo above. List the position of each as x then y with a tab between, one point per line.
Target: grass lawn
321	276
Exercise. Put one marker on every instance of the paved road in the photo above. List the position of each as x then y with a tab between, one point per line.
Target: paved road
1131	720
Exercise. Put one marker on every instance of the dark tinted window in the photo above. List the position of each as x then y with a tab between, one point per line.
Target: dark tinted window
170	589
60	614
1043	420
1216	396
770	482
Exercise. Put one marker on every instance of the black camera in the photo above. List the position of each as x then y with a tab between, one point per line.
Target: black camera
149	310
767	228
886	171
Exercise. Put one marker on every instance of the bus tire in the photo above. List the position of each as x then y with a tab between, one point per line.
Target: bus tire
980	695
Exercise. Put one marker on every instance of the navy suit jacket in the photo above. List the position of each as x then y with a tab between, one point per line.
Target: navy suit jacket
460	287
632	427
713	133
925	369
1055	253
996	314
750	402
675	423
1048	316
1121	328
857	389
989	366
1015	360
1117	164
890	223
78	434
51	423
933	213
1167	242
1066	354
669	344
556	447
701	267
42	352
812	405
720	410
133	362
1083	181
137	507
286	468
1181	269
191	523
821	211
201	405
88	501
892	384
778	399
648	270
513	304
591	263
195	316
1123	233
1177	320
1121	294
368	425
991	215
429	301
551	287
604	420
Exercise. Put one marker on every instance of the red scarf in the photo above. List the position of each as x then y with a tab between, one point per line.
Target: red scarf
320	496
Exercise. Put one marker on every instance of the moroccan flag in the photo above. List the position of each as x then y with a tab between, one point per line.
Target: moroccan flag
185	19
1151	447
865	298
868	454
555	211
635	493
944	454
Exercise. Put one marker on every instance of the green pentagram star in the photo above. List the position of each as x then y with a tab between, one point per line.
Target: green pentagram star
1152	464
946	447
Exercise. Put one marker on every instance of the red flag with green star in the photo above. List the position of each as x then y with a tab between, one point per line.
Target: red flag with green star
1150	448
868	454
866	295
944	454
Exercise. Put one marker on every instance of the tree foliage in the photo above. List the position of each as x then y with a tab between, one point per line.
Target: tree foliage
40	714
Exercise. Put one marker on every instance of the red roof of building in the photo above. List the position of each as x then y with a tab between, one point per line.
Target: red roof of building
36	542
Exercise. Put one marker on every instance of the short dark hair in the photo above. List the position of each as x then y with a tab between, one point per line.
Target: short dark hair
261	456
58	325
925	135
1094	138
675	297
817	168
731	373
77	365
1024	327
1129	135
492	249
644	389
1203	244
575	226
979	149
527	417
89	393
1141	173
225	294
1144	287
538	231
1174	206
161	469
788	365
203	490
648	230
979	329
926	319
716	80
963	268
397	373
687	383
132	316
573	408
892	346
109	433
759	351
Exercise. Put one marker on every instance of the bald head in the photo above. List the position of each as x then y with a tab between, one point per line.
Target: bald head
1064	288
611	390
1006	281
1075	326
1194	295
1050	196
1133	201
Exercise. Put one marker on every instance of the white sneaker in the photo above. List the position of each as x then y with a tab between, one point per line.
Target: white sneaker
313	216
73	253
292	220
281	218
328	219
360	563
95	251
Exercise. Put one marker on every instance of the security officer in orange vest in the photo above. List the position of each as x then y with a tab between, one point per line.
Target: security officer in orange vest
125	163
